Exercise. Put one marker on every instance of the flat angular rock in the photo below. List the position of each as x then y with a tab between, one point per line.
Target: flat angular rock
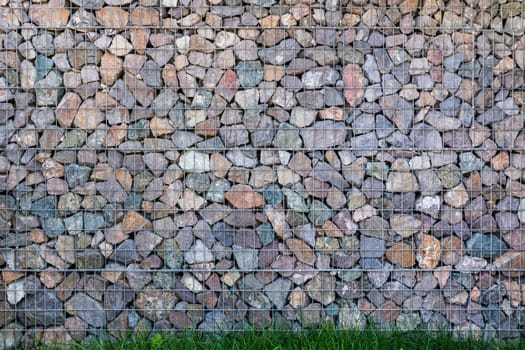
324	134
485	246
354	82
244	197
401	254
87	309
429	252
284	52
43	309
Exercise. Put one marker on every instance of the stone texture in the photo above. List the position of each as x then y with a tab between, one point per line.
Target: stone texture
151	176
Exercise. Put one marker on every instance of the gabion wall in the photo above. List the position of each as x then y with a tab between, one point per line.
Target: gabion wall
228	164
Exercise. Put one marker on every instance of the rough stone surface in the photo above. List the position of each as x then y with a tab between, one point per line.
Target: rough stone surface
210	165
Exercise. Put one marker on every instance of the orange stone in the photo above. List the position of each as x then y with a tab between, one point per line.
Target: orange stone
133	221
354	82
144	16
408	6
387	312
53	14
273	73
511	264
500	161
331	230
110	68
11	276
115	235
161	126
401	254
452	249
244	197
67	109
37	236
124	178
139	38
302	251
429	252
113	17
116	135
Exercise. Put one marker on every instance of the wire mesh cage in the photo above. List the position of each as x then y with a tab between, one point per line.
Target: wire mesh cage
230	164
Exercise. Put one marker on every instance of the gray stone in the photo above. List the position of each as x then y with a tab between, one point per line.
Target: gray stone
326	173
469	162
371	247
234	135
287	137
49	90
324	134
470	70
371	70
250	73
44	207
53	227
320	77
319	213
266	233
494	114
87	309
43	66
365	145
284	52
485	246
273	194
42	309
294	201
198	253
215	321
246	258
89	4
452	63
277	292
426	137
89	259
450	106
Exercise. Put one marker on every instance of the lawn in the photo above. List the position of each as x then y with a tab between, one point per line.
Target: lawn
325	338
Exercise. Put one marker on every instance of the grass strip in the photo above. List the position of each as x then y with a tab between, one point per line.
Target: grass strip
324	338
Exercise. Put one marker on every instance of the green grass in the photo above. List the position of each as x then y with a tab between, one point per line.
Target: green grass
325	338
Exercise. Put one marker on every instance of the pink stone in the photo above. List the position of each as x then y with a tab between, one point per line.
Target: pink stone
228	85
355	82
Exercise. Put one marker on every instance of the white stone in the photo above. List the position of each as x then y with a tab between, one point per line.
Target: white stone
192	283
15	292
429	205
521	210
195	162
120	46
198	254
420	163
226	39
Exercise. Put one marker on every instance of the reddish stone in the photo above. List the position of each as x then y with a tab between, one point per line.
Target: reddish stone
228	85
401	254
113	17
133	221
56	187
429	252
244	197
387	312
116	135
67	109
302	251
354	82
435	56
145	16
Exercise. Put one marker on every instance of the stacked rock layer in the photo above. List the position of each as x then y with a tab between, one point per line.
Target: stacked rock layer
226	164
